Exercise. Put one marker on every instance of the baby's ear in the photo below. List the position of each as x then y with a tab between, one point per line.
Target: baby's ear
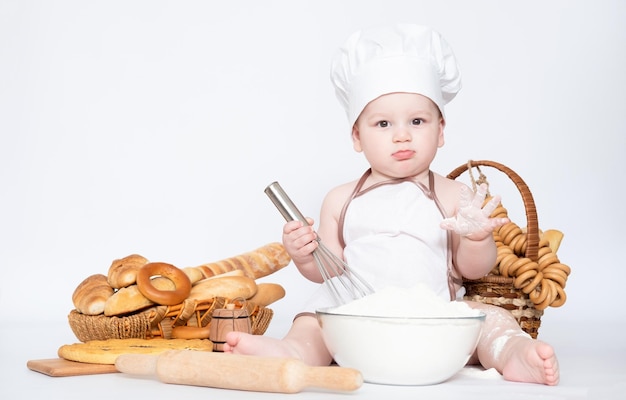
442	125
356	139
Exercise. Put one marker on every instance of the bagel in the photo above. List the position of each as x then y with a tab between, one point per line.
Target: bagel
559	298
506	262
530	265
549	286
556	275
546	260
524	279
164	297
532	285
517	264
539	294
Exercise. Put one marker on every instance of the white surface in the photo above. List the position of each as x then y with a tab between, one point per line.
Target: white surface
592	360
152	127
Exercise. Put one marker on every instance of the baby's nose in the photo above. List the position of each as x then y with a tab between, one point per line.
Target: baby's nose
401	135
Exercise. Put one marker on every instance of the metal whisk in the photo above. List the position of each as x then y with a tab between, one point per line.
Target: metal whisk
343	284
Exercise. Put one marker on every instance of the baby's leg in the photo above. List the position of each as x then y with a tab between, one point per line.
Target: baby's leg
503	345
303	341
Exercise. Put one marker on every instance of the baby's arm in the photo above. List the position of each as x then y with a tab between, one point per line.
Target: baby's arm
300	240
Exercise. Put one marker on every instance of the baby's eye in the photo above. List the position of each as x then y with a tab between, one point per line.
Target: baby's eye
383	124
417	121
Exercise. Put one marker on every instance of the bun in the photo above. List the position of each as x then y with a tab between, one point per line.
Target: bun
91	294
255	264
123	272
267	293
130	299
230	287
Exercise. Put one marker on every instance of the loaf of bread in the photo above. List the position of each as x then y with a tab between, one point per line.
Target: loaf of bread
230	287
107	351
129	299
123	271
255	264
91	294
267	293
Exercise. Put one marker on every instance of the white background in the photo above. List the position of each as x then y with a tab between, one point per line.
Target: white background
152	127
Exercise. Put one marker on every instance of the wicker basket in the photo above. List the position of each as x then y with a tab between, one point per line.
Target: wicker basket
499	290
158	321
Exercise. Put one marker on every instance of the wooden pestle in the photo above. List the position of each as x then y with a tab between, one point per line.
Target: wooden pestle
232	371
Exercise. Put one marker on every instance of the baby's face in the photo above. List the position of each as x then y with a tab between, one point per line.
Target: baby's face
399	134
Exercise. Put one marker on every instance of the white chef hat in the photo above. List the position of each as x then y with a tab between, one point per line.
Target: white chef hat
399	58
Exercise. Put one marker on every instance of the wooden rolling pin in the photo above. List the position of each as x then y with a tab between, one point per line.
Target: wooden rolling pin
231	371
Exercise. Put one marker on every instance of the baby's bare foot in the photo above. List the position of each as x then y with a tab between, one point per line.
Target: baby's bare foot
257	345
531	361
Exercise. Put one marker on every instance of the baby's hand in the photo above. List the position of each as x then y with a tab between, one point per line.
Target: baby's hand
472	220
299	240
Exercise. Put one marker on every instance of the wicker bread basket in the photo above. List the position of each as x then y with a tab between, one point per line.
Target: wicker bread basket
499	290
158	321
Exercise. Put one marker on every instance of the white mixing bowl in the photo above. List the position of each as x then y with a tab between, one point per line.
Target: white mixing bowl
401	351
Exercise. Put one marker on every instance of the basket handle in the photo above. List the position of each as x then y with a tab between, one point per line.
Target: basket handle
532	224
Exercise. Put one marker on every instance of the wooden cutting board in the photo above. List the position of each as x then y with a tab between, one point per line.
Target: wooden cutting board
62	367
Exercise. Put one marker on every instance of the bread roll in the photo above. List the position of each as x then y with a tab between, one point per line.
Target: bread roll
129	299
90	295
230	287
123	272
255	264
267	293
106	351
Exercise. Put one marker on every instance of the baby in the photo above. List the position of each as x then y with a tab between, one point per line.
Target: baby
401	224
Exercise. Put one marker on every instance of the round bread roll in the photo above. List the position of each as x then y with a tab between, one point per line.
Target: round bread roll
123	272
90	295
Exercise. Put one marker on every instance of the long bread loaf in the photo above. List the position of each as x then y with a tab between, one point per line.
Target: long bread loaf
255	264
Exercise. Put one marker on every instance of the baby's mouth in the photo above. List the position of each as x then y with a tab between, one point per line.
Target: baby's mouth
403	154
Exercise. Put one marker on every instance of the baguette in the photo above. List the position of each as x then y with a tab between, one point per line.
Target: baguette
255	264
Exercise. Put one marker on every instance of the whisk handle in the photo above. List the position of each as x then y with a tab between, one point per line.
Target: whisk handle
284	204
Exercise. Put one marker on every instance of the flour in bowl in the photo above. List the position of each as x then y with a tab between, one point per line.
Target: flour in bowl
418	301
